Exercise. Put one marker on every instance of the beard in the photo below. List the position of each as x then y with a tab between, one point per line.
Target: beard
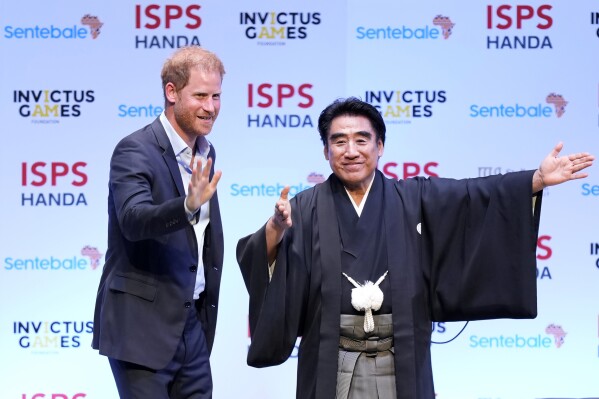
191	124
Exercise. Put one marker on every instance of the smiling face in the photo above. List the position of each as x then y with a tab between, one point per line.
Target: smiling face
353	151
195	107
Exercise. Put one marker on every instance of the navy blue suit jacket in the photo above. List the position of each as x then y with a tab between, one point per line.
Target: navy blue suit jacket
149	274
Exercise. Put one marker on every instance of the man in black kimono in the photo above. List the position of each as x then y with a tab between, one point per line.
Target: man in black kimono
434	249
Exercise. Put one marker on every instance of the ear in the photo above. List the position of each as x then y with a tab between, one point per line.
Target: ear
381	147
170	92
326	152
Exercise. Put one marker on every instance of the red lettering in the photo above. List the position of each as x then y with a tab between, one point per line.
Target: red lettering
428	169
155	16
55	396
541	245
388	172
284	91
40	175
77	172
172	13
24	174
505	19
137	16
410	169
35	170
149	12
302	92
523	13
501	13
262	93
193	17
542	15
59	169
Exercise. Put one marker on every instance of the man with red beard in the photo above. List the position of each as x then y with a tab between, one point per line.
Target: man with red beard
157	301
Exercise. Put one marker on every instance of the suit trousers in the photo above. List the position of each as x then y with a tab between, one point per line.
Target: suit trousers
186	376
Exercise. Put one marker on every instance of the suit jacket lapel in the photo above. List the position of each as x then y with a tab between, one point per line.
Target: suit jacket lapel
215	219
168	155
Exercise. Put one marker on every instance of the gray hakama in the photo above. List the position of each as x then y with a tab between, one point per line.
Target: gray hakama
366	369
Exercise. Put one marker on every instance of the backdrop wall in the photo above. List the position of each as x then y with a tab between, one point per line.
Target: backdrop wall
466	88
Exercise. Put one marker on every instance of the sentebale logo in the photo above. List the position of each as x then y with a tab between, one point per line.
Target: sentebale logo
91	27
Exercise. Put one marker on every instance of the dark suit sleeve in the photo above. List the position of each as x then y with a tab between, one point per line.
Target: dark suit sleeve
146	203
480	240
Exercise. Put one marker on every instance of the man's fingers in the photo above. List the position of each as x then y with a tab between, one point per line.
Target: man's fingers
202	171
285	193
557	149
216	178
282	214
207	168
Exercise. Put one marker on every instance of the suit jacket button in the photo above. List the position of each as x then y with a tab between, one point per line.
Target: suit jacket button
187	304
193	269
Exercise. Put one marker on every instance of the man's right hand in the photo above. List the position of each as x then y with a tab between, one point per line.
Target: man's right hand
282	216
201	188
277	224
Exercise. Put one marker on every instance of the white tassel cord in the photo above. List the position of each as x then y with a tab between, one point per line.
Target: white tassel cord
367	297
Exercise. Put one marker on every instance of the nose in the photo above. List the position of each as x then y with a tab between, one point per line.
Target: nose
351	150
208	105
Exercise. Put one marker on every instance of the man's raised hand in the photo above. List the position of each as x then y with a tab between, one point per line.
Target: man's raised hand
282	216
201	188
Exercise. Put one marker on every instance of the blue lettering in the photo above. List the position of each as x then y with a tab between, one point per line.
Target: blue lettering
151	111
510	111
439	327
518	42
75	342
544	273
52	327
24	342
279	121
165	41
517	342
52	32
51	263
264	190
53	199
587	189
426	32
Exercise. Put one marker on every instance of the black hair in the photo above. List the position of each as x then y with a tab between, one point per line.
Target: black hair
352	106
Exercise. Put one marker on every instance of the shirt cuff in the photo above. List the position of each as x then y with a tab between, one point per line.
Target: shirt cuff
191	216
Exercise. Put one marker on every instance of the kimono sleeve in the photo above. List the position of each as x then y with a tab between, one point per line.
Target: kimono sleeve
480	239
276	307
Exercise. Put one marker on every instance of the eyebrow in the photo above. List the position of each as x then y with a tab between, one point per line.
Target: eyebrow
362	133
207	93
